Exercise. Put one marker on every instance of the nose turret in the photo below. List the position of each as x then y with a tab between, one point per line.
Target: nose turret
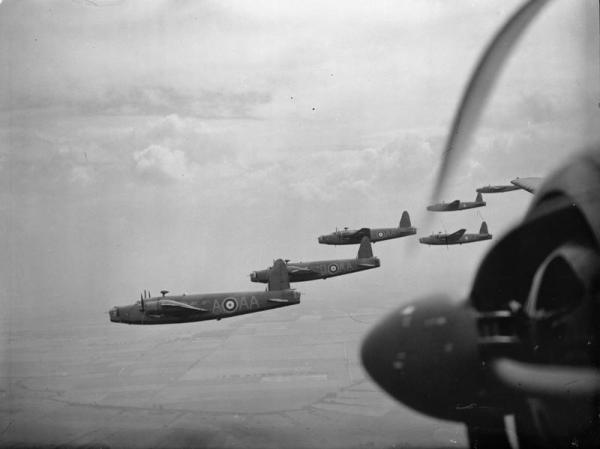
114	314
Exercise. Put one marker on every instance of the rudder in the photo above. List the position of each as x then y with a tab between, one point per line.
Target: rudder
365	251
405	220
484	228
278	276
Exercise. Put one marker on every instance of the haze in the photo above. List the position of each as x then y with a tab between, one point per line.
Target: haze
181	145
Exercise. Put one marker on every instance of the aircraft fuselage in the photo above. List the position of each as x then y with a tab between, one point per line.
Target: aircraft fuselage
454	206
212	306
444	239
354	236
322	269
497	189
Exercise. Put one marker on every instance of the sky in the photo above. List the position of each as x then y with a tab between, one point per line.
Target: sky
181	145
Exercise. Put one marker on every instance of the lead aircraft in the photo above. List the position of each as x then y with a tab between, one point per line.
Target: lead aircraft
212	306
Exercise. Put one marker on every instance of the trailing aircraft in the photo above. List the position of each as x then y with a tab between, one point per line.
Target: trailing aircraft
497	189
524	347
323	269
457	238
529	184
212	306
354	236
457	205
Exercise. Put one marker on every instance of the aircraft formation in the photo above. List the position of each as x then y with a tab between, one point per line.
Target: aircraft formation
215	306
461	236
524	345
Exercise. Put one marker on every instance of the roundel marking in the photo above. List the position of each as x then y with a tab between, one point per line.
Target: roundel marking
230	305
333	268
380	234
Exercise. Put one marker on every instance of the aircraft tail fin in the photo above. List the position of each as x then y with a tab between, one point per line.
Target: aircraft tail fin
364	250
405	220
479	198
483	229
278	276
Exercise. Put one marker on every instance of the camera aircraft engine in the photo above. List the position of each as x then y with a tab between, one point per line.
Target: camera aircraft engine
526	342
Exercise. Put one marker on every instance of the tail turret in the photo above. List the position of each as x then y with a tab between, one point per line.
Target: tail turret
484	228
365	251
405	220
278	276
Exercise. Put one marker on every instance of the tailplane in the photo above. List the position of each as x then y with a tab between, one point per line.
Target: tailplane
364	250
479	198
483	229
278	276
405	220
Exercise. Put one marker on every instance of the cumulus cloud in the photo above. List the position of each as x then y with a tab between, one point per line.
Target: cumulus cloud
330	175
163	164
82	175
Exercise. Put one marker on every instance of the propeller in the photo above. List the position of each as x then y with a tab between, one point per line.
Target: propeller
480	86
435	336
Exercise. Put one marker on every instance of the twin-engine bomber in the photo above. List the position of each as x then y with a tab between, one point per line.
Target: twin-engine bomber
457	205
457	238
354	236
498	189
323	269
213	306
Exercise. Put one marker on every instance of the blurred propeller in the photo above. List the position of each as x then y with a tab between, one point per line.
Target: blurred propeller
480	86
548	380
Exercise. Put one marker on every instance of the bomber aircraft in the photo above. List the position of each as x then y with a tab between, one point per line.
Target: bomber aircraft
354	236
457	205
497	189
212	306
525	344
457	238
529	184
323	269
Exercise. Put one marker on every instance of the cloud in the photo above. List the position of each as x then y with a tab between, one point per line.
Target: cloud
364	173
82	175
160	163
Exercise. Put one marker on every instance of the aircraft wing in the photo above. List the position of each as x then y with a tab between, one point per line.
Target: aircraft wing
293	269
529	184
279	300
367	265
456	235
361	231
176	306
